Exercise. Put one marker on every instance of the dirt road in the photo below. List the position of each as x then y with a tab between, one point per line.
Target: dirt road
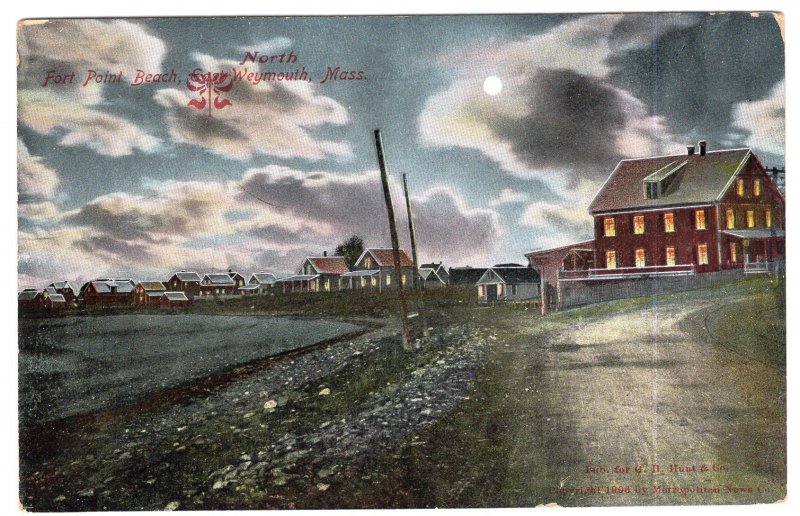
634	407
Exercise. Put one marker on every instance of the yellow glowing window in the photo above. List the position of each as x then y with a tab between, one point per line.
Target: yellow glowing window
362	281
757	187
669	222
403	280
611	259
700	219
768	218
610	228
734	254
388	280
374	281
640	260
670	256
702	254
731	218
638	224
327	284
751	219
740	187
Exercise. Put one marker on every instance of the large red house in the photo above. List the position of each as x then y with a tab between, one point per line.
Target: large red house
688	213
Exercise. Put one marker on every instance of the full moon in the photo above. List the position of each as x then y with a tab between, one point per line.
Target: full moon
492	85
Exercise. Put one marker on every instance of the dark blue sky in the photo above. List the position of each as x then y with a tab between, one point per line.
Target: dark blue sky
132	181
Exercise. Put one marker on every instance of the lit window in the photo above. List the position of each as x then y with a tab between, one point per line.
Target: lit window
768	218
362	281
734	254
740	187
700	219
610	228
480	290
757	187
751	219
611	259
731	218
327	284
638	224
500	290
388	280
403	280
640	260
669	222
702	254
670	256
374	281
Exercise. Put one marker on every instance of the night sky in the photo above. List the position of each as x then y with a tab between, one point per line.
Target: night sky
125	181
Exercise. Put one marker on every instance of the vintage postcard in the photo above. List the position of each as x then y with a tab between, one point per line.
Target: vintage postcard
401	261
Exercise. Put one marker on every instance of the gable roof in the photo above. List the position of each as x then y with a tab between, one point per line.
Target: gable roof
29	294
221	279
466	275
329	264
428	273
384	257
108	286
152	285
60	285
187	276
175	296
511	275
262	277
57	298
701	180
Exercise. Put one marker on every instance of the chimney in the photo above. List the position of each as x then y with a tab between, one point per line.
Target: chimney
702	144
324	253
690	150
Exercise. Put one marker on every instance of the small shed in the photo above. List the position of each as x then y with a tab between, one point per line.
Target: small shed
508	284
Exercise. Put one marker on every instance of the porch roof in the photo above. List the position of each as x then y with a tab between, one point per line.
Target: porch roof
360	273
754	233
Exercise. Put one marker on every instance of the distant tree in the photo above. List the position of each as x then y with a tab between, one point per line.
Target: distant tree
351	249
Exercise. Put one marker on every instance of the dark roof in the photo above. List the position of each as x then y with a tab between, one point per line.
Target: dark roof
329	264
28	294
152	285
466	275
428	273
175	296
507	265
263	277
754	233
187	276
702	179
384	257
218	279
60	285
517	274
57	298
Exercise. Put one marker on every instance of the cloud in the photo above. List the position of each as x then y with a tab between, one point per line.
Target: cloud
556	224
558	117
65	46
269	219
509	196
334	206
36	180
764	121
274	118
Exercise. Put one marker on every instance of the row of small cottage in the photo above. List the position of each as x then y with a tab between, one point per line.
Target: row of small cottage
373	271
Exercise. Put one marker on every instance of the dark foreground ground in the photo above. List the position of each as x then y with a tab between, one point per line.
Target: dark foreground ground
499	407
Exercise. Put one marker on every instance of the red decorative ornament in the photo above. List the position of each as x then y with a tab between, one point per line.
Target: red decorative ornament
208	85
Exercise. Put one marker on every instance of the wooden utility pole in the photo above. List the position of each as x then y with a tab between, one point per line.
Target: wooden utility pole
415	284
387	195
